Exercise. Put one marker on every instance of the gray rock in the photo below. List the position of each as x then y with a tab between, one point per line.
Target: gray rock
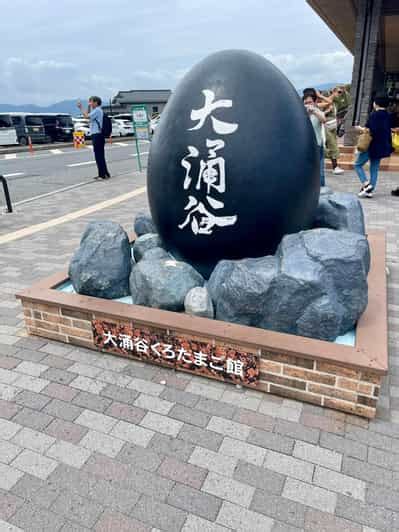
341	211
101	265
315	285
144	243
156	254
199	303
239	288
144	224
163	283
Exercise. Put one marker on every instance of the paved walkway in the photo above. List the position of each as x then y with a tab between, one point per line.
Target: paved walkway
93	442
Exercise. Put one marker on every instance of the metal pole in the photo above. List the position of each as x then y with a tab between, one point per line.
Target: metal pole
6	193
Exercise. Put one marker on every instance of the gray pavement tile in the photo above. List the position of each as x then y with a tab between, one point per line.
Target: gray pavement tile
178	396
168	446
164	516
190	415
59	391
182	472
29	354
125	412
32	400
254	419
259	477
297	431
36	519
77	508
366	471
66	430
204	438
112	521
91	401
343	445
270	440
61	376
279	508
63	410
8	362
137	456
121	395
32	419
364	513
194	501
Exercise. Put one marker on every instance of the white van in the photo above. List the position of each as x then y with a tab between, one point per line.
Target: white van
8	133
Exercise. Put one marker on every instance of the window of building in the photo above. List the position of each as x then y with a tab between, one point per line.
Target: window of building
16	120
155	108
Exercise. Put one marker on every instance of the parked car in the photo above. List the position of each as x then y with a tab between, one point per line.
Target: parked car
154	123
28	125
59	127
8	134
125	125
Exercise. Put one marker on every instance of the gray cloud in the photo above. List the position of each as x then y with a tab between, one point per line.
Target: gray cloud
58	50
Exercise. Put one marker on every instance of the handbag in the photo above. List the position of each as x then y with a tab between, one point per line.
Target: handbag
395	142
364	141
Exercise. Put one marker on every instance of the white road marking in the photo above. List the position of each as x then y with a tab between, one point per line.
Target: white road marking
56	151
81	164
14	174
121	144
10	156
141	153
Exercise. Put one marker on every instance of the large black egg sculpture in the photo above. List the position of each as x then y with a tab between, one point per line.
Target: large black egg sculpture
234	164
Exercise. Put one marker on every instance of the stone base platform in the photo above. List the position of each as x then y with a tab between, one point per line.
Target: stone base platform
322	373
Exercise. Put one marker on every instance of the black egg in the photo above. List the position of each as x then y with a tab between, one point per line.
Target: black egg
234	164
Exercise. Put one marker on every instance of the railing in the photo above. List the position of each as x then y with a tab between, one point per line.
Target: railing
6	193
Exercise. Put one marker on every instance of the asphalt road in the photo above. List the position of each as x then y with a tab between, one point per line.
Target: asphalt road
47	172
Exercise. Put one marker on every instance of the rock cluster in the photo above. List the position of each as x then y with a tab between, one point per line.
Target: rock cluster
315	284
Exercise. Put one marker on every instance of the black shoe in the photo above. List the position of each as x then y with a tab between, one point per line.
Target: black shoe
366	191
395	192
107	175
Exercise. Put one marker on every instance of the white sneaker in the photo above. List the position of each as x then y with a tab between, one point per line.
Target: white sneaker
337	170
366	191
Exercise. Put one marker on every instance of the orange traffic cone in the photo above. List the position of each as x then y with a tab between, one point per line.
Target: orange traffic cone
30	145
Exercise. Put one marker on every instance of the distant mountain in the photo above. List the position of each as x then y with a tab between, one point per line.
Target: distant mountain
66	106
324	86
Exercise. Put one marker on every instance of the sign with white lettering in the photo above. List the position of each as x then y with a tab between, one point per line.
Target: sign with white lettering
220	362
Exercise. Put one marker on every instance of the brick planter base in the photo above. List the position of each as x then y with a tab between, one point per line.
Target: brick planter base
322	373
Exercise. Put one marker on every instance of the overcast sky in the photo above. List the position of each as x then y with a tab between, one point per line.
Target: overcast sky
54	50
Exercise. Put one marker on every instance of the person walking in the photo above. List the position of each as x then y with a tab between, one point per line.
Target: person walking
379	124
96	117
318	120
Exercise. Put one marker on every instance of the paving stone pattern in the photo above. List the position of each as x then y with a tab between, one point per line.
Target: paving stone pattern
93	442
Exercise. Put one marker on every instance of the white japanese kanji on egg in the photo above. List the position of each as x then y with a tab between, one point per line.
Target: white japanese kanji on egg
211	177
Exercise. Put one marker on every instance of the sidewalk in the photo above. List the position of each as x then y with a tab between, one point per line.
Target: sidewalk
94	442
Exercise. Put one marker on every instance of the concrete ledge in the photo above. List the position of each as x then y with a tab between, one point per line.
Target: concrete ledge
323	373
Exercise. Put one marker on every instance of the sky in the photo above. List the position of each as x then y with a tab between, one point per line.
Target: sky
57	50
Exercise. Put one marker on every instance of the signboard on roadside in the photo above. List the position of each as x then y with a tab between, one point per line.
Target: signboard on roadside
141	127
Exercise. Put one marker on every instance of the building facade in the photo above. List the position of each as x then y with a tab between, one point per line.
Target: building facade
154	100
370	31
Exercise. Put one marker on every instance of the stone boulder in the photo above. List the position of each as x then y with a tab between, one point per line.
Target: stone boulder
101	266
340	211
239	288
144	243
315	285
156	254
143	224
163	283
198	302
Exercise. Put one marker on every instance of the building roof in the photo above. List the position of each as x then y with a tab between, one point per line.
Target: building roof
340	16
142	96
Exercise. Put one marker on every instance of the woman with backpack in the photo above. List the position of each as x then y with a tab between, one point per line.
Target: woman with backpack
379	124
99	131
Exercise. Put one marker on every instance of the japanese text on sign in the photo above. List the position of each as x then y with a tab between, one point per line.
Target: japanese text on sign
211	179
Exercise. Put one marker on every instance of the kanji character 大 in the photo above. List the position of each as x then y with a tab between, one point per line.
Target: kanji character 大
210	105
110	339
